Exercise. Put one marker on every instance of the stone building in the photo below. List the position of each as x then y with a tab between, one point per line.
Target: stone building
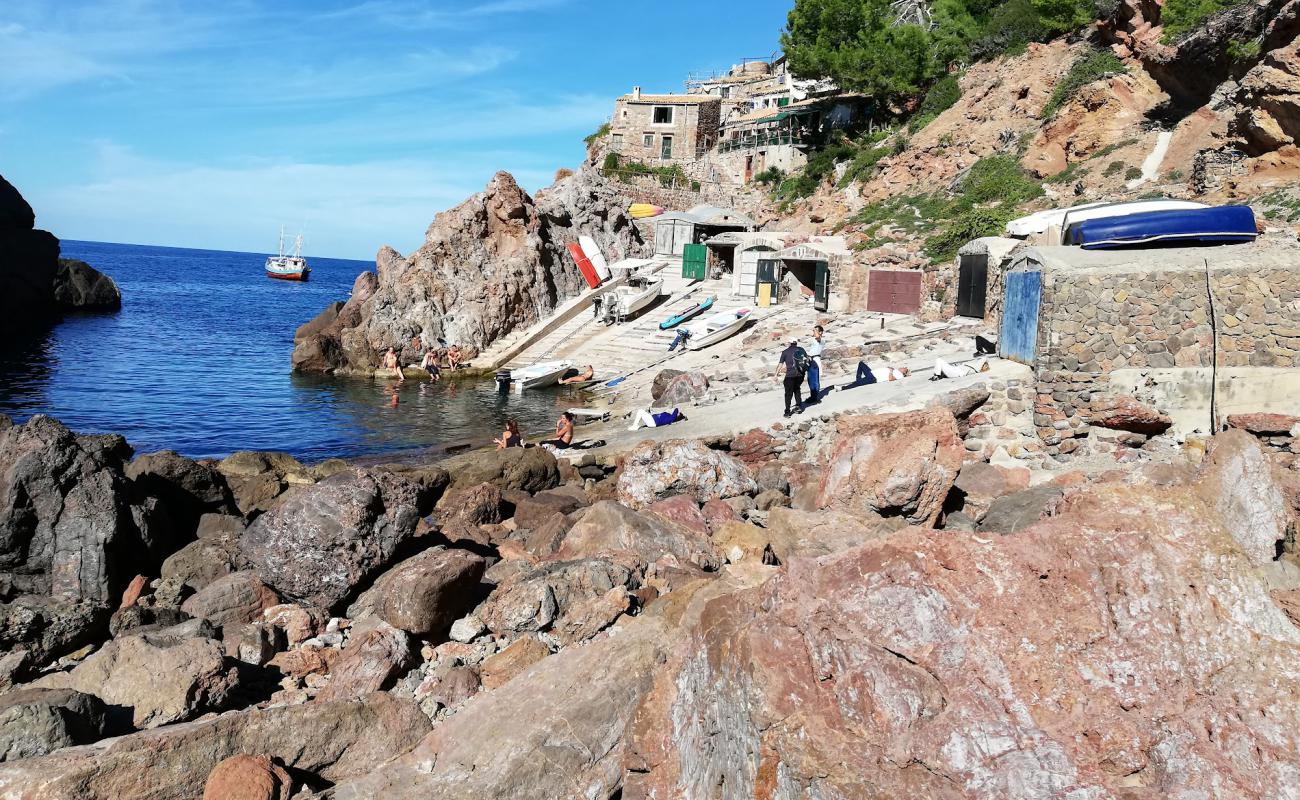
664	128
1198	332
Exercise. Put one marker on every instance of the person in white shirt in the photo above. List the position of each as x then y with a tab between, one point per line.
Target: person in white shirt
814	350
942	369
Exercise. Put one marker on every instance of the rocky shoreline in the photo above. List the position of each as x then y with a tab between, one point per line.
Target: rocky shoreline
505	624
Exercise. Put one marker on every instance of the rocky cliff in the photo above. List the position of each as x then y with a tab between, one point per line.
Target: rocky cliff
35	284
493	264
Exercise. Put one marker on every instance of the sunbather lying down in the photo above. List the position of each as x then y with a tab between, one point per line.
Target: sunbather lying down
644	419
942	369
866	376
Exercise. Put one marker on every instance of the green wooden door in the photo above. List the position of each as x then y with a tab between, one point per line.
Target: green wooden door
695	259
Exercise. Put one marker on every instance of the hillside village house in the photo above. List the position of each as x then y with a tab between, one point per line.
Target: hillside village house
664	128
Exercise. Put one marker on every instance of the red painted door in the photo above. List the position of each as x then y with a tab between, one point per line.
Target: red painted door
894	291
584	264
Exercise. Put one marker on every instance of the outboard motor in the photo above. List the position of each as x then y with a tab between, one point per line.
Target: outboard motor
503	381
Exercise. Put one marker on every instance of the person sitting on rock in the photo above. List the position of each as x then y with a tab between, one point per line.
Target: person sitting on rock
563	432
453	357
644	419
579	376
510	437
430	364
391	362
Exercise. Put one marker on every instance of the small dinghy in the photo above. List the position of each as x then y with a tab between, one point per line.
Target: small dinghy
1081	214
678	319
538	376
625	301
1219	225
714	329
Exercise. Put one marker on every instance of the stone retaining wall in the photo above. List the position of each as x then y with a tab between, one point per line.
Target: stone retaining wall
1094	323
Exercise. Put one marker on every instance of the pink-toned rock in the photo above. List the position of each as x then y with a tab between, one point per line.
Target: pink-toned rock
682	389
476	505
573	599
754	447
1237	480
299	623
236	599
1264	424
658	470
683	511
981	483
1085	656
1126	413
424	594
894	464
133	591
303	661
716	513
371	659
519	656
247	777
613	528
452	688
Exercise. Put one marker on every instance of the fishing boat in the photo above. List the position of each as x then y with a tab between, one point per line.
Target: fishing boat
538	376
678	319
288	267
1076	216
623	302
1217	225
714	329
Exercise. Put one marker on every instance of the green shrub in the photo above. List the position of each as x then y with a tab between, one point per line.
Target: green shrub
1243	50
695	186
998	178
600	133
863	164
1067	175
940	97
1175	175
1009	29
1063	16
771	175
1114	168
611	162
1092	66
971	223
1132	173
1183	16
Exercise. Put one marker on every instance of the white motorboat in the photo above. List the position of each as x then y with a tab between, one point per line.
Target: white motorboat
717	327
1108	210
624	302
1040	221
538	376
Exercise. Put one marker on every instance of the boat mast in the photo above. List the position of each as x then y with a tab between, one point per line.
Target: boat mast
281	241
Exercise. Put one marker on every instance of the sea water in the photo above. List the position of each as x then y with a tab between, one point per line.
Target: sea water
197	361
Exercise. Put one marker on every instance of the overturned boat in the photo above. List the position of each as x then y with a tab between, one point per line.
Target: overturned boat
716	328
1218	225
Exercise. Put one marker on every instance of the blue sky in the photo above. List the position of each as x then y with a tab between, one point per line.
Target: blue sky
210	124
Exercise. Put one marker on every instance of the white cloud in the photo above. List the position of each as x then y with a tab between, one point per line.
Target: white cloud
344	211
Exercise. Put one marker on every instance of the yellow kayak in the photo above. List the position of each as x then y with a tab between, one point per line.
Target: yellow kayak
643	210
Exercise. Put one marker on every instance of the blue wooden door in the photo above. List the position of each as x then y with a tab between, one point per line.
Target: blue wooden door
1019	337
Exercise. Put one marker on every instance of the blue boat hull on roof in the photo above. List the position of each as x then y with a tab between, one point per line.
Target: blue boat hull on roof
1222	224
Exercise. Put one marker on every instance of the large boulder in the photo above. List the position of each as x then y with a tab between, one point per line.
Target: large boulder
317	544
373	657
894	465
1238	481
246	777
29	260
658	470
189	489
572	599
1018	510
230	601
206	559
66	527
155	680
331	741
424	594
34	722
1127	413
528	470
47	627
1086	656
611	528
80	287
683	389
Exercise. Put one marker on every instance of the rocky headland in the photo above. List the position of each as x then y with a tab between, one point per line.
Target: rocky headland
495	263
36	286
858	608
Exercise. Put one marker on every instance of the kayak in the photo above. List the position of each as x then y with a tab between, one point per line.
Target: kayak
678	319
644	210
1216	225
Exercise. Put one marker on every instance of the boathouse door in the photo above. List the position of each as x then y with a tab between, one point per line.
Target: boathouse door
822	287
695	258
972	281
1019	339
769	271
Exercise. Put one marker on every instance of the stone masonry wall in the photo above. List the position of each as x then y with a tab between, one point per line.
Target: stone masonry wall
1093	323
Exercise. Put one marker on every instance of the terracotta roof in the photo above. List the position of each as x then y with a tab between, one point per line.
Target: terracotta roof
677	99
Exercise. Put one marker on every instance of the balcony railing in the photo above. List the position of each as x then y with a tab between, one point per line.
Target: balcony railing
751	141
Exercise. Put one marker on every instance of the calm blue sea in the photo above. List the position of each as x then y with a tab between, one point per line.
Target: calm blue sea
197	361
